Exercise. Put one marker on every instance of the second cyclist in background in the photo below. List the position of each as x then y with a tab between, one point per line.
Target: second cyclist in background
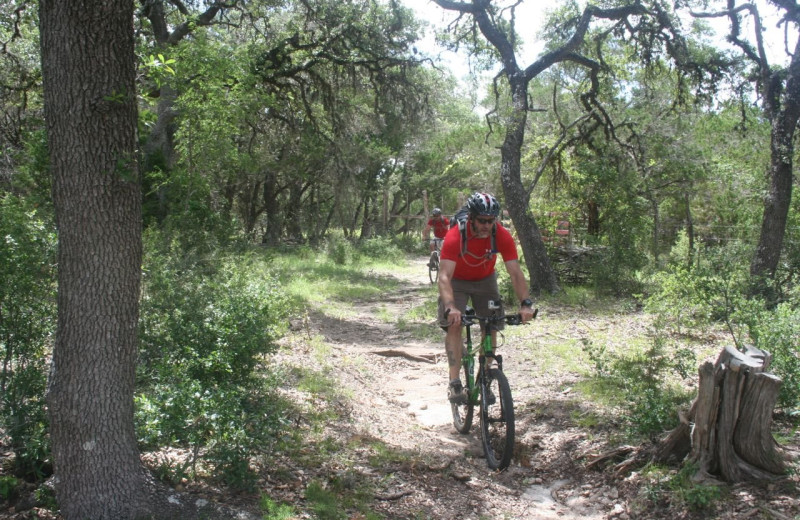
439	224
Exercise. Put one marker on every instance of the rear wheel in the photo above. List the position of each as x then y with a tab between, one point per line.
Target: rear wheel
433	268
497	420
462	413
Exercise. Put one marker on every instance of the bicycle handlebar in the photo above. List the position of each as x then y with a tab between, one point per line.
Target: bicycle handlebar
509	319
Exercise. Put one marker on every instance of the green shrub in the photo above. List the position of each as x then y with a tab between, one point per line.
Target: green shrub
643	380
710	289
340	250
276	511
714	289
411	243
697	496
8	487
380	248
777	331
27	325
204	329
324	503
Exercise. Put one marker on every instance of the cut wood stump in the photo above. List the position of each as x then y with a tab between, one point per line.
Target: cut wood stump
727	429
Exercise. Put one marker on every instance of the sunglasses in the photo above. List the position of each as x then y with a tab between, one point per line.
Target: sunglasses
484	221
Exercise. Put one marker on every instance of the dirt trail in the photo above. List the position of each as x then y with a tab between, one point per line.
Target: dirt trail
402	402
399	385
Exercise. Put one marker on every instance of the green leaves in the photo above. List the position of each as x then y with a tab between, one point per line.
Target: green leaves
158	68
27	323
207	321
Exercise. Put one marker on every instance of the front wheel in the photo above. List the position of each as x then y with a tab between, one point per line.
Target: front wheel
462	413
433	268
497	420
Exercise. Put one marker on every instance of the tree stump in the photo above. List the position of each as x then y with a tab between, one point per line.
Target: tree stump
727	430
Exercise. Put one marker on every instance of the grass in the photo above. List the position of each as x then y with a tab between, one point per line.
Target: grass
663	483
321	280
276	511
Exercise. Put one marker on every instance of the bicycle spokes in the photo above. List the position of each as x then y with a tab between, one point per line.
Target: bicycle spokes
497	420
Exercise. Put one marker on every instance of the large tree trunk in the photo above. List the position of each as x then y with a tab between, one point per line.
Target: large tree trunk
780	91
88	68
542	275
732	417
90	105
776	203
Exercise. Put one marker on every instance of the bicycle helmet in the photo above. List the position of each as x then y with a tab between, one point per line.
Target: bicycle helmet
483	204
436	212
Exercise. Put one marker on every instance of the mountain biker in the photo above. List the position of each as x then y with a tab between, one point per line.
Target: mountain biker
467	273
439	224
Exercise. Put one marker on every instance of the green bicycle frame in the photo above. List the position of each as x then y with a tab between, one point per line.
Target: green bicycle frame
484	349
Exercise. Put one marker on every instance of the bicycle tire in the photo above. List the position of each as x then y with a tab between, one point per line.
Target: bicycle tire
433	268
497	421
463	413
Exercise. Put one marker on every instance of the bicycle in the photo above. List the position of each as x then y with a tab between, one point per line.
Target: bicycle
488	389
433	264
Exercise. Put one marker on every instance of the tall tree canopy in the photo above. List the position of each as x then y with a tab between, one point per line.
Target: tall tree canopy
580	38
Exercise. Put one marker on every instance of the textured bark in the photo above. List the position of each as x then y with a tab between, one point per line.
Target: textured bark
778	198
732	417
88	67
90	107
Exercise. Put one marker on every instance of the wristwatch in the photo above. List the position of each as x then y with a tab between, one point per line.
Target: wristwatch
526	303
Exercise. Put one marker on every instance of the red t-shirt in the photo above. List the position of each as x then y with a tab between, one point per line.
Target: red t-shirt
440	226
477	265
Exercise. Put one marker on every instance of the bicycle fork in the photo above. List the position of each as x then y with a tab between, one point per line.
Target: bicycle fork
468	360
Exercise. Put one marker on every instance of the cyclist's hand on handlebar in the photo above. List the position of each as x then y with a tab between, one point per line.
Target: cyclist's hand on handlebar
527	314
453	316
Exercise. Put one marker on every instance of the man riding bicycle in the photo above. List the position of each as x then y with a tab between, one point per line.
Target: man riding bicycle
467	273
439	224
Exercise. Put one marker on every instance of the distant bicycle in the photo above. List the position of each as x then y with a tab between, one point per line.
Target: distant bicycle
488	389
433	264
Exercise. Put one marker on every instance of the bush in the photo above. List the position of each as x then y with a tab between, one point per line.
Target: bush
340	250
777	331
205	327
411	243
380	248
714	289
697	496
8	488
710	289
643	380
27	324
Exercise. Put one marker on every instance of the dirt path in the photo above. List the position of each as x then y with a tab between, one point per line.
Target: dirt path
401	387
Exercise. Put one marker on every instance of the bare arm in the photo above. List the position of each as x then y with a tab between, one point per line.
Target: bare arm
446	269
520	287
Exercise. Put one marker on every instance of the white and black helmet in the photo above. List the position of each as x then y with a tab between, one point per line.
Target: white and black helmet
483	204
